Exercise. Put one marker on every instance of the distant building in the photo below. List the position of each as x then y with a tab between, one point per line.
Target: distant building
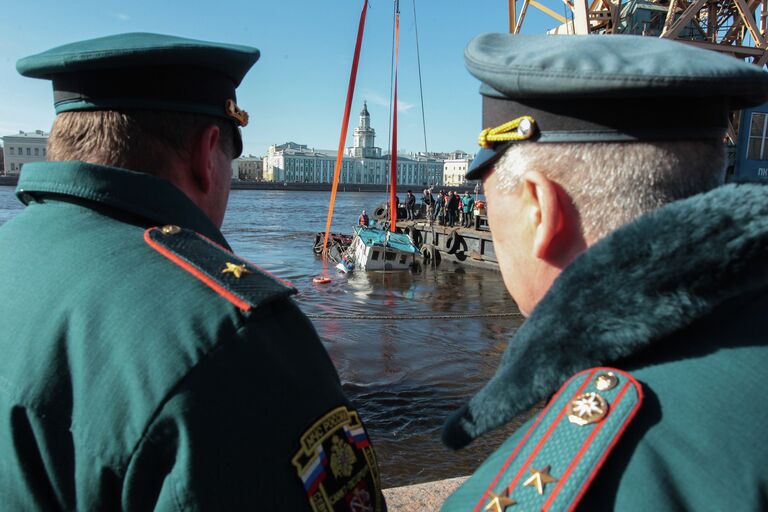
249	168
2	162
23	148
362	163
454	169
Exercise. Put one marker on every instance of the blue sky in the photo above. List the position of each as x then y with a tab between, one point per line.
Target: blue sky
296	91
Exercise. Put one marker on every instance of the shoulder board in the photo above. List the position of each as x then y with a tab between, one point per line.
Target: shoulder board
240	282
556	460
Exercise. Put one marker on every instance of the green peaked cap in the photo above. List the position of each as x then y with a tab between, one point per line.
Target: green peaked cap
143	71
607	88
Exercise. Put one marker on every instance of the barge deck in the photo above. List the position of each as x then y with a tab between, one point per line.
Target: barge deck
443	244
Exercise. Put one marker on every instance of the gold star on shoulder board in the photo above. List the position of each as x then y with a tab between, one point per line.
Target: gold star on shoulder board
539	478
499	502
236	270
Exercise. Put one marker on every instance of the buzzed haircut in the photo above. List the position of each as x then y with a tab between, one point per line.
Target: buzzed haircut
612	183
139	140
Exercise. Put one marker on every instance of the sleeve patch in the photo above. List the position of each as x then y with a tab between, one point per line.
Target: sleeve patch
240	282
562	452
337	465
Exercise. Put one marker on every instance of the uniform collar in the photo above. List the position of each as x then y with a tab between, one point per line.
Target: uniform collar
156	200
633	290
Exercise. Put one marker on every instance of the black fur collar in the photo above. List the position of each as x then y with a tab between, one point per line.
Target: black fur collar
632	289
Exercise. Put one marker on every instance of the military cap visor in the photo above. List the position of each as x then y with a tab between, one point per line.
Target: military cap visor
142	71
606	88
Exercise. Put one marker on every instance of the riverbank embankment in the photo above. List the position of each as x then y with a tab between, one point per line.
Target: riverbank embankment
426	496
11	181
343	187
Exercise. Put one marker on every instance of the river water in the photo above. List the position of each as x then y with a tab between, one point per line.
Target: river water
403	375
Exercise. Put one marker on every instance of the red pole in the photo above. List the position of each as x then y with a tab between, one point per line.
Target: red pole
344	124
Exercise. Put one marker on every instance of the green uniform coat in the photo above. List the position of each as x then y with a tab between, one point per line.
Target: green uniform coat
679	299
127	382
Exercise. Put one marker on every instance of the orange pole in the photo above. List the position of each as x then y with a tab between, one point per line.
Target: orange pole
344	125
393	164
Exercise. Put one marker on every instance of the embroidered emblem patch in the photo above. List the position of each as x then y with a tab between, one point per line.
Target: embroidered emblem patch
337	465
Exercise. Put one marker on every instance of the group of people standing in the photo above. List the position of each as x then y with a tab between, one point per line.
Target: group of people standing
449	208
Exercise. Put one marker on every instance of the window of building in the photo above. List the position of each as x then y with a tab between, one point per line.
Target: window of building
29	151
10	149
757	149
37	151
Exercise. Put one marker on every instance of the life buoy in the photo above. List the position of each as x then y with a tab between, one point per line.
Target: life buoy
321	280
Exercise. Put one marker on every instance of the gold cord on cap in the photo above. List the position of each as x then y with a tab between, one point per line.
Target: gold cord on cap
518	129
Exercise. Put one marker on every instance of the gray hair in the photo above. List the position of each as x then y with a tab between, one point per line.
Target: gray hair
612	183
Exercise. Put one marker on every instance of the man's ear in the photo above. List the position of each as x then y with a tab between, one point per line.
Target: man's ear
204	158
545	211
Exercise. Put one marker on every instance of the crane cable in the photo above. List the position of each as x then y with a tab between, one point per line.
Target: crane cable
421	88
344	125
393	152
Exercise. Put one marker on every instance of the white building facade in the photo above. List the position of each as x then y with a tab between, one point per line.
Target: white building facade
248	168
23	148
455	168
362	163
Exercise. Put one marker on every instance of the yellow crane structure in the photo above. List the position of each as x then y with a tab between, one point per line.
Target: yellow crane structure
733	27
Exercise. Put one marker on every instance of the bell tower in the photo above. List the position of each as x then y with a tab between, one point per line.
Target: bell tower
364	137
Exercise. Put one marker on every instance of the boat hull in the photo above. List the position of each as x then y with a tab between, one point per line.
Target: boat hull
379	250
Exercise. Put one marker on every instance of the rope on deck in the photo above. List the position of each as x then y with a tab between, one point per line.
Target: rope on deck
318	316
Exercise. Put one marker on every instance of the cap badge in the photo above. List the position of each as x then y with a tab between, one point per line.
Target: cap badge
236	270
233	111
587	408
170	229
521	128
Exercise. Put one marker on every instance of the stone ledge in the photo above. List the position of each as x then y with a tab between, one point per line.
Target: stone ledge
421	497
